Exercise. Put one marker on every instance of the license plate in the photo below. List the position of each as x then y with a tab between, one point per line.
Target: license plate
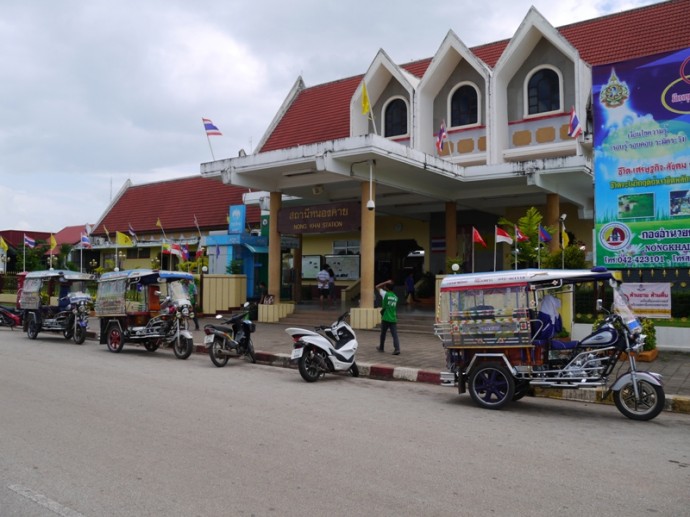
208	339
296	353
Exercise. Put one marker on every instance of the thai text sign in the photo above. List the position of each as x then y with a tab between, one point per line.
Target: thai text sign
334	217
641	114
651	300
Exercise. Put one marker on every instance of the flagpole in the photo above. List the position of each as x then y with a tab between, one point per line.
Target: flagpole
473	250
203	122
516	246
495	230
24	259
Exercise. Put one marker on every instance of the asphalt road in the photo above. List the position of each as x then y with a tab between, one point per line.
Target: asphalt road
87	432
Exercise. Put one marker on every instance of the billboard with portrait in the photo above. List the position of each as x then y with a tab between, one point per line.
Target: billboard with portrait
641	117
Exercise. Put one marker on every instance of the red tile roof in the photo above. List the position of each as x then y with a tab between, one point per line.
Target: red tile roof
175	202
322	112
70	235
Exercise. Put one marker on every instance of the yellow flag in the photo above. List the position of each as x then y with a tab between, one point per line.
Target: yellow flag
3	244
122	239
565	240
158	223
366	107
53	242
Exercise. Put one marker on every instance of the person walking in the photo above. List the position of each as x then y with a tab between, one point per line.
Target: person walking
389	315
322	279
409	288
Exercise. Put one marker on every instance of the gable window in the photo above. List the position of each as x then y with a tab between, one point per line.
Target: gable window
464	106
543	91
395	118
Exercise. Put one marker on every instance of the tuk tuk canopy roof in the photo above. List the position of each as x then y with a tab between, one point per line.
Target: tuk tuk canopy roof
525	276
62	274
145	276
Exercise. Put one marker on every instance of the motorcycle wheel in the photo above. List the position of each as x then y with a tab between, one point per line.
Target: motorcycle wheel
214	352
79	335
114	338
250	351
32	329
309	366
151	346
491	386
651	403
184	349
354	370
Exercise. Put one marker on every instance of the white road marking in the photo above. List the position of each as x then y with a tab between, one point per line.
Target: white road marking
44	501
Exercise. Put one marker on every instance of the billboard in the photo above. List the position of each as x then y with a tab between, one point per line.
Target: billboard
641	116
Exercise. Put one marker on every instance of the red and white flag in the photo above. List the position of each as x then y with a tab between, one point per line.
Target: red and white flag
477	238
502	236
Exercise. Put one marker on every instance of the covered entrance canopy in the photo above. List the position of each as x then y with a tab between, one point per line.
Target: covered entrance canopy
408	182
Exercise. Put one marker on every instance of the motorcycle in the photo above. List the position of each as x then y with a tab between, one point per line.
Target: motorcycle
325	349
9	318
496	348
233	335
130	309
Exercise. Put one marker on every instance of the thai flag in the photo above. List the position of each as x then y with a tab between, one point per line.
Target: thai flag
131	232
441	137
211	129
85	241
544	236
575	129
28	241
184	250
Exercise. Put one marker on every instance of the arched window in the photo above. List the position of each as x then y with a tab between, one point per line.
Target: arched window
395	118
464	106
544	91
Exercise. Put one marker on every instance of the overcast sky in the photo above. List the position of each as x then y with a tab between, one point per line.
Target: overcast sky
96	92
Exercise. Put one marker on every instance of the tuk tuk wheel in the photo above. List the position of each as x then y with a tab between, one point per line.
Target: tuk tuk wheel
491	385
151	345
32	328
79	335
68	333
114	338
184	349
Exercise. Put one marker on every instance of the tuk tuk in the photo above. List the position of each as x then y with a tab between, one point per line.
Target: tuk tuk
146	307
499	334
56	300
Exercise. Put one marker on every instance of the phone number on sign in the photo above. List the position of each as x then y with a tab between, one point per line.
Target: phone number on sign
643	259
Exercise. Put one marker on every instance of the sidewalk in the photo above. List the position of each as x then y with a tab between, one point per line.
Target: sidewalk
422	359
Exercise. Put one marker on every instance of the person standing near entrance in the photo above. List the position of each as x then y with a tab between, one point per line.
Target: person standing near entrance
192	291
389	315
323	279
331	285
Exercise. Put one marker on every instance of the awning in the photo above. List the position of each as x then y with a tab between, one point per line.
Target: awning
255	249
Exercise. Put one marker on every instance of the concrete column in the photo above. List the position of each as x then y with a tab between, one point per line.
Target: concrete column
553	213
274	262
366	248
297	280
451	230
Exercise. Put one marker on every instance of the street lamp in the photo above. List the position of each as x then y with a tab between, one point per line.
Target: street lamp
51	261
119	258
93	263
155	263
5	259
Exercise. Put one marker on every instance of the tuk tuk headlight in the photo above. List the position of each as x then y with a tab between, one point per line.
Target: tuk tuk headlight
185	311
191	315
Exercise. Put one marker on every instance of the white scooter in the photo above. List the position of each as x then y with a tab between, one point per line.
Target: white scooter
325	349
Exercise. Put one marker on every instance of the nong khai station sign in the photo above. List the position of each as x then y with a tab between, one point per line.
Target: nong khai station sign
329	218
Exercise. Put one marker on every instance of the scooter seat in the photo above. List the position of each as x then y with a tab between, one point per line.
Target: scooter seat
563	345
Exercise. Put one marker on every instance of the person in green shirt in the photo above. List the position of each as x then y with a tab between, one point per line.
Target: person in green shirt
389	315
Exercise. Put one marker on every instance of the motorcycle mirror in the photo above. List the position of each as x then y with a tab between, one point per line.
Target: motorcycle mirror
600	305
